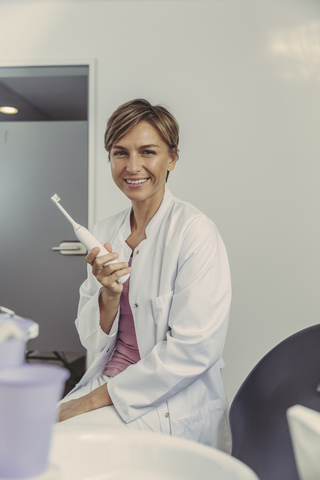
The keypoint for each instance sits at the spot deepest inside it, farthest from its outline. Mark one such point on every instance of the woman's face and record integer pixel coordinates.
(140, 161)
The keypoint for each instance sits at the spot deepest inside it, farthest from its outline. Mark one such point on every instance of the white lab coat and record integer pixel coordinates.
(180, 296)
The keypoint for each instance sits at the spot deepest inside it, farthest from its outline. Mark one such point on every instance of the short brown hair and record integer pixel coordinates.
(131, 113)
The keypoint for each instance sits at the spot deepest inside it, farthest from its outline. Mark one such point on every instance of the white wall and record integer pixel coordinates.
(243, 78)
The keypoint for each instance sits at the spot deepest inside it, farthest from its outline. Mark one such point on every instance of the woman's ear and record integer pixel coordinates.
(174, 155)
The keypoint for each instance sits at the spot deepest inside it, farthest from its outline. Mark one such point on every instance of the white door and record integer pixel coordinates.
(37, 160)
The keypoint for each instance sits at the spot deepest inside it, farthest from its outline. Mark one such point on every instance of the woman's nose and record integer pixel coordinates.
(134, 164)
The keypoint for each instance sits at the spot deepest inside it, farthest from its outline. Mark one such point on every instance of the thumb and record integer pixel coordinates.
(108, 247)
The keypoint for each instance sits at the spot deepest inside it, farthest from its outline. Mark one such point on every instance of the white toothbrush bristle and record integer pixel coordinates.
(55, 198)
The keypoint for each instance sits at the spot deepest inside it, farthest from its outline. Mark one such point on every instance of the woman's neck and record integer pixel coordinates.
(140, 218)
(143, 212)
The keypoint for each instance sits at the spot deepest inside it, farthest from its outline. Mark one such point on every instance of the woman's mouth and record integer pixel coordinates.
(137, 182)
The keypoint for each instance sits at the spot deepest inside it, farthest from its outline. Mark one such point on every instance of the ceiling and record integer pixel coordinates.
(44, 93)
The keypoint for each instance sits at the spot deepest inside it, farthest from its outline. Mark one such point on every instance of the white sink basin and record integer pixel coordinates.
(93, 453)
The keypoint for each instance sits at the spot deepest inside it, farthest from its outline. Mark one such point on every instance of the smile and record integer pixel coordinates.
(137, 182)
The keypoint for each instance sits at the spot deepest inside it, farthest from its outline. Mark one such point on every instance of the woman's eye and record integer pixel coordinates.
(119, 153)
(149, 152)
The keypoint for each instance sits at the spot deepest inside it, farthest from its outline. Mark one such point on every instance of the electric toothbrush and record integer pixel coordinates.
(85, 237)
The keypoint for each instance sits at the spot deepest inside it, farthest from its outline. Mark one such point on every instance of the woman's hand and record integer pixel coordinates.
(109, 274)
(96, 399)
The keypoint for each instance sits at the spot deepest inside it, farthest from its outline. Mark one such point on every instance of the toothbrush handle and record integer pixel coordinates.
(88, 240)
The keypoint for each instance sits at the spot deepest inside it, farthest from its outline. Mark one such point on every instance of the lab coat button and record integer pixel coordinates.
(136, 305)
(167, 415)
(137, 252)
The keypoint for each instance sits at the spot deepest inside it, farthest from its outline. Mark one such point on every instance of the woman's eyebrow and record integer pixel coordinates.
(150, 146)
(119, 146)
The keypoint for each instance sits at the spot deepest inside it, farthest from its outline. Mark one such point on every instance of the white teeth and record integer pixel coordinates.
(135, 182)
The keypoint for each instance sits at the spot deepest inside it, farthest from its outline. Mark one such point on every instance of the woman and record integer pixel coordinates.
(160, 335)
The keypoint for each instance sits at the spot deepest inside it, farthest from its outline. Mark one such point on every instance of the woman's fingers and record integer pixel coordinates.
(111, 273)
(91, 256)
(106, 269)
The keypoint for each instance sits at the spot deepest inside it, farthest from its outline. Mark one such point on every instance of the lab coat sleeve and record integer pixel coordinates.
(92, 337)
(197, 325)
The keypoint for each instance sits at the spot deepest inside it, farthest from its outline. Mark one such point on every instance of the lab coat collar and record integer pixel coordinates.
(154, 222)
(158, 216)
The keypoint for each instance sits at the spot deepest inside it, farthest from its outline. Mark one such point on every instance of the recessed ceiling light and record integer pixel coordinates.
(8, 110)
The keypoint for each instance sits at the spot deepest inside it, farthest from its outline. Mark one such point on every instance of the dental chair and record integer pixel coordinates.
(288, 375)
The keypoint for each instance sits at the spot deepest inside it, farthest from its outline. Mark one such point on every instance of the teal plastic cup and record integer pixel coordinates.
(28, 412)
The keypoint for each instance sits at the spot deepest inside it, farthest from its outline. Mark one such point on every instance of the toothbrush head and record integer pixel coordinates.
(55, 198)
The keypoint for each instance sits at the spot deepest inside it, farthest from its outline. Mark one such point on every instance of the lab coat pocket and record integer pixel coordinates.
(160, 309)
(201, 426)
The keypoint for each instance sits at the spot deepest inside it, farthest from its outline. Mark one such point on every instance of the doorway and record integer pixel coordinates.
(44, 149)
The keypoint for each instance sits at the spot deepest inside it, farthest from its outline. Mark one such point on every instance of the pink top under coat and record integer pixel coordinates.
(126, 352)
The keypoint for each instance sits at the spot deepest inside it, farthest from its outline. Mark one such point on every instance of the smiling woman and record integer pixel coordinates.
(131, 113)
(159, 336)
(137, 170)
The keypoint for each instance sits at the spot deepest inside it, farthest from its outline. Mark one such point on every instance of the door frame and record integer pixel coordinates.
(91, 63)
